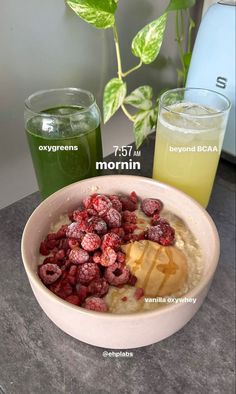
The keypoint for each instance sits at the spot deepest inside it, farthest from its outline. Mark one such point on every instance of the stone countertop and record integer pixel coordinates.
(36, 357)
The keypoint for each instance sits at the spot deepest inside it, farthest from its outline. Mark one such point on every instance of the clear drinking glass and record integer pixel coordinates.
(189, 137)
(63, 132)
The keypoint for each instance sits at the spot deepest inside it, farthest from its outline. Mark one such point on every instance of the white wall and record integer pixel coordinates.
(43, 44)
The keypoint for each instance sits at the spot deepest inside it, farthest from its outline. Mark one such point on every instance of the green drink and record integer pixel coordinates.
(65, 140)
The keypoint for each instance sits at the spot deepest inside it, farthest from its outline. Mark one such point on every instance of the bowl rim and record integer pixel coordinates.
(204, 281)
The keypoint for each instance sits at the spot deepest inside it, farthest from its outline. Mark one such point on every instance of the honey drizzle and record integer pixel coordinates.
(171, 262)
(153, 266)
(138, 262)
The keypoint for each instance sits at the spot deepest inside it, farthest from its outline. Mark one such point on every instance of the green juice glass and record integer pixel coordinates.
(64, 137)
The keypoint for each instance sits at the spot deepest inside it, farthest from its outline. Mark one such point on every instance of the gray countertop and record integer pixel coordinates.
(36, 357)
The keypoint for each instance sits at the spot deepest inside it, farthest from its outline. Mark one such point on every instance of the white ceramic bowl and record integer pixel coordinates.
(106, 329)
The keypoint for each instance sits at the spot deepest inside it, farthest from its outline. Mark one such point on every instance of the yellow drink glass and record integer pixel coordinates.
(189, 137)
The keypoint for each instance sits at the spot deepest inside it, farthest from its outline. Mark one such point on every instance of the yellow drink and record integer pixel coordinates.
(188, 145)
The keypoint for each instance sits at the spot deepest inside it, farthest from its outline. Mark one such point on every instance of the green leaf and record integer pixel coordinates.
(187, 59)
(147, 43)
(140, 98)
(175, 5)
(143, 125)
(114, 94)
(99, 13)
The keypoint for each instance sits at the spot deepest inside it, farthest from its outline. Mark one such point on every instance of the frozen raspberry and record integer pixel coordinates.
(96, 224)
(96, 304)
(134, 237)
(98, 287)
(92, 212)
(49, 273)
(51, 236)
(127, 204)
(80, 215)
(62, 288)
(72, 275)
(117, 274)
(116, 204)
(133, 197)
(151, 206)
(111, 240)
(91, 242)
(73, 299)
(81, 291)
(124, 298)
(74, 231)
(101, 204)
(120, 257)
(87, 272)
(64, 244)
(43, 249)
(119, 231)
(49, 260)
(129, 228)
(113, 218)
(88, 201)
(59, 255)
(61, 233)
(108, 257)
(155, 219)
(97, 257)
(129, 217)
(138, 293)
(132, 280)
(78, 256)
(162, 233)
(73, 243)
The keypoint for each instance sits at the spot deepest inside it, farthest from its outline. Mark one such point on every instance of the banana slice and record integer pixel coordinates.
(160, 270)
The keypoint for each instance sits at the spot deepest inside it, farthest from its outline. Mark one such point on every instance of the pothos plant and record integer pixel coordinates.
(145, 46)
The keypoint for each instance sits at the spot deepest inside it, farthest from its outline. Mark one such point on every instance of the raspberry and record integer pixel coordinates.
(124, 298)
(59, 255)
(81, 291)
(151, 206)
(51, 236)
(91, 242)
(96, 224)
(108, 257)
(73, 299)
(116, 204)
(49, 260)
(43, 249)
(120, 257)
(119, 231)
(127, 204)
(49, 273)
(129, 228)
(129, 217)
(88, 201)
(73, 243)
(72, 275)
(134, 237)
(132, 280)
(111, 240)
(98, 287)
(117, 274)
(92, 212)
(78, 256)
(64, 244)
(61, 288)
(87, 272)
(80, 215)
(138, 293)
(162, 233)
(74, 231)
(101, 204)
(61, 233)
(133, 197)
(97, 257)
(155, 219)
(96, 304)
(113, 218)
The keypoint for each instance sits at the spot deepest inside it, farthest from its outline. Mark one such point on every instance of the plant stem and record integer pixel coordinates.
(178, 39)
(129, 116)
(117, 46)
(124, 74)
(191, 26)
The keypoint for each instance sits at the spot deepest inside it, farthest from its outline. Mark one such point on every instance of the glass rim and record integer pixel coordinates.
(29, 106)
(217, 113)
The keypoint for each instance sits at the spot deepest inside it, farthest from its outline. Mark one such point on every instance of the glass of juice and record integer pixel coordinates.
(63, 132)
(189, 136)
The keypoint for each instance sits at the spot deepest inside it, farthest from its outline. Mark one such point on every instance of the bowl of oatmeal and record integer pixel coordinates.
(120, 261)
